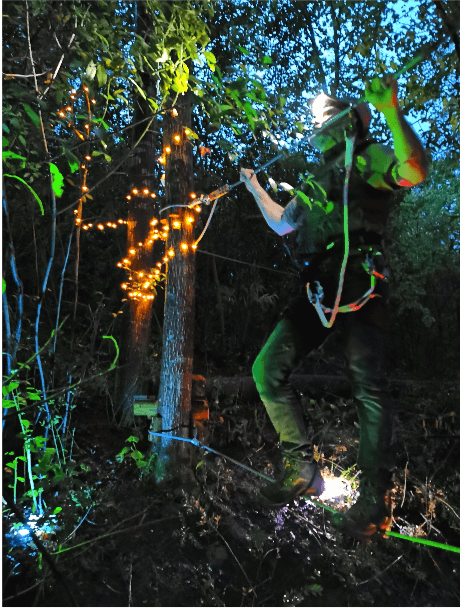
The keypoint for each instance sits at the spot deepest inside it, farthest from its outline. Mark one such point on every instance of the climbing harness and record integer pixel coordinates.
(195, 442)
(317, 296)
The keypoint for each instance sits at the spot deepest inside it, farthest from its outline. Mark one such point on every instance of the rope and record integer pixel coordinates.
(291, 274)
(195, 442)
(315, 299)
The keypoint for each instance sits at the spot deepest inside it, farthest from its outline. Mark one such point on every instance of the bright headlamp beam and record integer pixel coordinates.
(318, 108)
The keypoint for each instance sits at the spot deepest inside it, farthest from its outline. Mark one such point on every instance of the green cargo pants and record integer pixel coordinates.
(364, 336)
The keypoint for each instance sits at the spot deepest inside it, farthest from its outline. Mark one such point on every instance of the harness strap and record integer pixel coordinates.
(316, 298)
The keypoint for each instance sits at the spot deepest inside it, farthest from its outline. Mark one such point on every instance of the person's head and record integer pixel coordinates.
(324, 108)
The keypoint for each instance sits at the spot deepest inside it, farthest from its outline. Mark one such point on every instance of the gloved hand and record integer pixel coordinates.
(382, 93)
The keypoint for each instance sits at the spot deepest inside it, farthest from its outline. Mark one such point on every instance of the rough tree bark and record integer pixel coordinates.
(144, 180)
(174, 399)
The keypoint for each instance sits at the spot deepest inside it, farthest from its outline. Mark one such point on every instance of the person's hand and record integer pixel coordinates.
(248, 177)
(382, 93)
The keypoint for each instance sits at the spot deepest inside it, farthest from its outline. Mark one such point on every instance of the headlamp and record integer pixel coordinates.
(333, 117)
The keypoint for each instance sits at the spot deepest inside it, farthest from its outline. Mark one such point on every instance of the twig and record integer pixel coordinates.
(251, 586)
(379, 573)
(130, 594)
(23, 76)
(132, 529)
(405, 483)
(447, 505)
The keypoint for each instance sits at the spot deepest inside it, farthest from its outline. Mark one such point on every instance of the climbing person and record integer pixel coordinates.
(317, 214)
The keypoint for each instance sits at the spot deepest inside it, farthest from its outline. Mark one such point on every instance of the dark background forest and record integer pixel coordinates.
(90, 91)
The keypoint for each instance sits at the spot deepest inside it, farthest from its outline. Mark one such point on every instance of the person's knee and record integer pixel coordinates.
(266, 378)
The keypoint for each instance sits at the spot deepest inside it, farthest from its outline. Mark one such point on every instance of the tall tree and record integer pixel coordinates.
(139, 247)
(174, 399)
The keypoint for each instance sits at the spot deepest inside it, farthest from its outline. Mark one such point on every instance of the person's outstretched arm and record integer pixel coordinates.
(271, 211)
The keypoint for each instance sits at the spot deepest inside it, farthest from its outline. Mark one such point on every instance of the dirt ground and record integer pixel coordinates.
(206, 540)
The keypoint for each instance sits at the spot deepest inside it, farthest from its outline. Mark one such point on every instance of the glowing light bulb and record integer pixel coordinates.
(132, 251)
(176, 139)
(166, 227)
(120, 221)
(145, 190)
(176, 224)
(120, 265)
(154, 222)
(86, 126)
(90, 225)
(85, 88)
(100, 226)
(135, 191)
(168, 150)
(85, 227)
(153, 195)
(93, 101)
(140, 274)
(69, 108)
(124, 286)
(184, 246)
(146, 284)
(198, 208)
(140, 244)
(187, 131)
(174, 112)
(85, 188)
(163, 177)
(162, 160)
(194, 246)
(165, 259)
(88, 157)
(126, 261)
(171, 252)
(159, 264)
(129, 197)
(192, 195)
(62, 113)
(189, 219)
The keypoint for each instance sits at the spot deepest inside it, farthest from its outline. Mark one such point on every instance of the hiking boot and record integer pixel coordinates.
(301, 478)
(371, 513)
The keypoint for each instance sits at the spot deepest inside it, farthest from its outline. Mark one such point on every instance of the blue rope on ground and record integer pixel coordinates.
(198, 444)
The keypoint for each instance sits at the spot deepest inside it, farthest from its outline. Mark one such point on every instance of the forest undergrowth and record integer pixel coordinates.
(209, 542)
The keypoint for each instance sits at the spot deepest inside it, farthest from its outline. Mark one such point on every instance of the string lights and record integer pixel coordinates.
(140, 284)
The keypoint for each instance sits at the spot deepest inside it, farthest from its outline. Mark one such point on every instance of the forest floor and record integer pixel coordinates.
(207, 541)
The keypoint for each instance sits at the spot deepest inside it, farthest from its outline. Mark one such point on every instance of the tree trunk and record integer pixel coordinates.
(144, 182)
(174, 399)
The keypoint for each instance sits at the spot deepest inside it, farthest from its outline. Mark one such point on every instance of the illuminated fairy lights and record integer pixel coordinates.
(140, 284)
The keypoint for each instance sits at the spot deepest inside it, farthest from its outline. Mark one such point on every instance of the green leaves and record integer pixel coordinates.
(91, 70)
(30, 188)
(32, 115)
(57, 180)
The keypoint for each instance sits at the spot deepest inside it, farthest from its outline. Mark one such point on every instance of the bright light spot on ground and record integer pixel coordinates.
(335, 487)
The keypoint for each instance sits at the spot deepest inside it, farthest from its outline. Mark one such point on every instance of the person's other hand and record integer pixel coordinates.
(382, 93)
